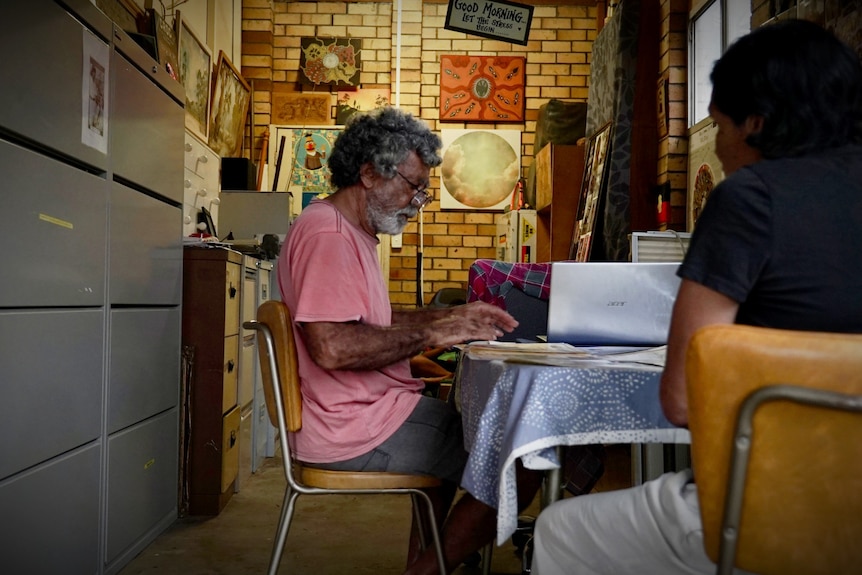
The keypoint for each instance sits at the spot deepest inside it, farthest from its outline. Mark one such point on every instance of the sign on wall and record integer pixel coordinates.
(494, 19)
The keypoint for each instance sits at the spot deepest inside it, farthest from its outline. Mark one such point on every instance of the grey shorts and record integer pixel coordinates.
(429, 442)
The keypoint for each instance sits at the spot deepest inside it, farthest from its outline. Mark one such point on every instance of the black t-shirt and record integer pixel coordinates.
(784, 239)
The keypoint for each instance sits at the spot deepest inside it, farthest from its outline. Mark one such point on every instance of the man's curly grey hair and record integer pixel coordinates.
(384, 137)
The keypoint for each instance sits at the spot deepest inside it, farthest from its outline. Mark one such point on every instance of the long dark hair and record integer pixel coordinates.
(803, 81)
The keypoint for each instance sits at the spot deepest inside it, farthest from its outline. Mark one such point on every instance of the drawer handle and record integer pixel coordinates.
(202, 192)
(188, 183)
(188, 147)
(232, 292)
(203, 159)
(232, 437)
(230, 365)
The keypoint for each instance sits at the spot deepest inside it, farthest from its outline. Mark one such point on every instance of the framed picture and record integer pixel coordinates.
(361, 100)
(592, 188)
(195, 61)
(301, 108)
(330, 61)
(166, 42)
(480, 169)
(482, 88)
(704, 168)
(298, 161)
(230, 100)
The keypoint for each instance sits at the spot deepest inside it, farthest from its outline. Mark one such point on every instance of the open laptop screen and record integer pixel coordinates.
(611, 303)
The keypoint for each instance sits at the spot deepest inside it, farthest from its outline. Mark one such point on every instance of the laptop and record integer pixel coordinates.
(611, 303)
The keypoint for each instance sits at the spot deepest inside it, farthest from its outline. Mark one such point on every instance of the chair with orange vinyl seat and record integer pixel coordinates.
(277, 352)
(776, 426)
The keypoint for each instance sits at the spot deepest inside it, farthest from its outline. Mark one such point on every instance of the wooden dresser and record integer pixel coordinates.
(559, 171)
(212, 280)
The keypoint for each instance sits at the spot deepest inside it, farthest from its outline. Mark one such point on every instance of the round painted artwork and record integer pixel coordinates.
(480, 169)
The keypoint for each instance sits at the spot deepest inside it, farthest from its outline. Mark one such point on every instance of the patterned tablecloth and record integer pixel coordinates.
(513, 410)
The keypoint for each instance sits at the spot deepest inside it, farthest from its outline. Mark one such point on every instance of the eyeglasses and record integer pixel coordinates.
(422, 198)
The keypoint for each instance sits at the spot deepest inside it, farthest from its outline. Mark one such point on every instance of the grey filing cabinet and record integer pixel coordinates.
(90, 326)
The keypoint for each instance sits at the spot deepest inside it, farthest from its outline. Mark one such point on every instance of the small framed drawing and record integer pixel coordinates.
(592, 188)
(196, 63)
(230, 101)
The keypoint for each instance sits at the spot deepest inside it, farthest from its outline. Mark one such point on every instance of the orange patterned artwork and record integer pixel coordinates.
(481, 89)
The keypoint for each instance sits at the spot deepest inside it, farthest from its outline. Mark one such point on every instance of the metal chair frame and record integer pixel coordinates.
(325, 482)
(741, 452)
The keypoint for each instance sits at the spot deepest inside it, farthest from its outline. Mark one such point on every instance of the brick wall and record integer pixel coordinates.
(558, 60)
(673, 146)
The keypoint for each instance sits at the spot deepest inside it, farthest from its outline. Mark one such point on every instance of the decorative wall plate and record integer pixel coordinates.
(330, 61)
(481, 88)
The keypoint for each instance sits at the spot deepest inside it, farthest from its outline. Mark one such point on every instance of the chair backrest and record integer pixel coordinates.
(276, 317)
(802, 494)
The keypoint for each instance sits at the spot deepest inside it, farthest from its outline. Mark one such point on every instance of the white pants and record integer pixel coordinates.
(651, 529)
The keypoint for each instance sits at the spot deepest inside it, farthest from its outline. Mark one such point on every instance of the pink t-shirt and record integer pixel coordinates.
(328, 270)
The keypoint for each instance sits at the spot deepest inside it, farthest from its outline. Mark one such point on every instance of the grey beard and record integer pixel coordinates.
(390, 223)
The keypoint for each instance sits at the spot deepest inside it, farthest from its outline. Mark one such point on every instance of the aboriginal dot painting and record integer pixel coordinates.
(481, 88)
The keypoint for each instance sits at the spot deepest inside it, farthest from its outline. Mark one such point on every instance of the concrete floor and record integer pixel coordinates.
(330, 535)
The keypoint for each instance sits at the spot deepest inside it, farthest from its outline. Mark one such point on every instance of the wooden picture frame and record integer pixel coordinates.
(596, 161)
(195, 71)
(229, 108)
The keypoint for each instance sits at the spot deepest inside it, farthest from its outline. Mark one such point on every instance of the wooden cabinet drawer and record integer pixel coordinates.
(230, 448)
(232, 299)
(231, 363)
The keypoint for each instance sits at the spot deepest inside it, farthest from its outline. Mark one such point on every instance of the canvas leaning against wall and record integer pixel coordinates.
(299, 161)
(480, 168)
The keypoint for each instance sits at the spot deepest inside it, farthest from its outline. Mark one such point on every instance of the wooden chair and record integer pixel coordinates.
(277, 352)
(776, 426)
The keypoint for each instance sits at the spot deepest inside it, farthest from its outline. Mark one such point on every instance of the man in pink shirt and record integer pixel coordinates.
(362, 410)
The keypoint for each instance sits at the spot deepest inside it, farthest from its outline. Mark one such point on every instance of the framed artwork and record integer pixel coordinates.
(592, 186)
(482, 88)
(330, 61)
(230, 101)
(298, 161)
(301, 108)
(361, 100)
(166, 42)
(704, 168)
(195, 61)
(480, 169)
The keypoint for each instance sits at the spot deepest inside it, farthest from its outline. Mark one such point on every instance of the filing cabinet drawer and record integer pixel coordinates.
(231, 364)
(142, 476)
(43, 90)
(58, 224)
(145, 364)
(232, 299)
(51, 516)
(52, 381)
(230, 448)
(146, 249)
(133, 141)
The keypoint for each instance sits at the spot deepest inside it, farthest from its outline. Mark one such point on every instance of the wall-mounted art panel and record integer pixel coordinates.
(481, 88)
(480, 168)
(330, 61)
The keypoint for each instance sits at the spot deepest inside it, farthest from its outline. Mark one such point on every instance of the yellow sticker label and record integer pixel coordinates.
(149, 463)
(56, 221)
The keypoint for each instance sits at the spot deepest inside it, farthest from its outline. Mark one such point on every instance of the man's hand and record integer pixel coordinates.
(359, 346)
(470, 322)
